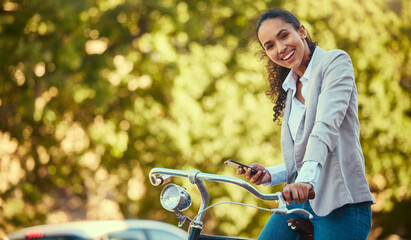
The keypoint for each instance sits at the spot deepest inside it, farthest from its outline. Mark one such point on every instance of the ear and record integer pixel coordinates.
(302, 32)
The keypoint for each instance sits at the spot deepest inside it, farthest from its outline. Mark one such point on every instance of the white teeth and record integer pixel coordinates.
(288, 56)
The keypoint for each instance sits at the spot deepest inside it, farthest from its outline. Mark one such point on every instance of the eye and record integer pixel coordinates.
(269, 46)
(284, 36)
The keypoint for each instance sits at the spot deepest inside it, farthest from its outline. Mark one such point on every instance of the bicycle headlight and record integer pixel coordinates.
(175, 198)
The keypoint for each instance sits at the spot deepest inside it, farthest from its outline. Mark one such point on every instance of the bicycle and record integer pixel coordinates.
(176, 199)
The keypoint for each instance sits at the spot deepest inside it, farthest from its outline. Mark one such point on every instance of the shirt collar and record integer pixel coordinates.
(291, 79)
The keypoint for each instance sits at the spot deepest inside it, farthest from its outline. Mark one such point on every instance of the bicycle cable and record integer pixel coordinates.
(237, 203)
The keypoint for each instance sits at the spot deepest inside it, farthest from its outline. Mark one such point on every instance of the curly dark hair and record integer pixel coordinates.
(276, 74)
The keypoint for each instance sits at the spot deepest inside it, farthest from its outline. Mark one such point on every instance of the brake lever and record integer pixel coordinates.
(301, 211)
(296, 210)
(160, 179)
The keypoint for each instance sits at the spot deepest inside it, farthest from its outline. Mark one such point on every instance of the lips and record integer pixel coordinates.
(286, 57)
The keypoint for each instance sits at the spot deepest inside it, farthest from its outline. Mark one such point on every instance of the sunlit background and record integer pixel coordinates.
(96, 93)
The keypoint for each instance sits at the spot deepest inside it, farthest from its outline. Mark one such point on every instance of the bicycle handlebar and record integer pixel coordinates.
(195, 175)
(160, 176)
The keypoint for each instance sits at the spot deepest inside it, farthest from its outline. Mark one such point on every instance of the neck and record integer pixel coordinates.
(300, 71)
(306, 60)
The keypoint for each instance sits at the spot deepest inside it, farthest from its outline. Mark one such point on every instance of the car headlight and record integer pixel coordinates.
(175, 198)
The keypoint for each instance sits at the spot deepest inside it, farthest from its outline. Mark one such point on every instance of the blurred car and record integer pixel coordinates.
(101, 230)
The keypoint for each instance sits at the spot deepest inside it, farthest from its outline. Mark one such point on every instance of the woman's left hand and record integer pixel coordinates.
(297, 192)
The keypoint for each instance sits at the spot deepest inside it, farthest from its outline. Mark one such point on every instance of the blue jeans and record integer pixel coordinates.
(351, 221)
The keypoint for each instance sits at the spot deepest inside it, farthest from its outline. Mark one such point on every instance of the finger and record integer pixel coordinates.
(240, 170)
(294, 194)
(287, 195)
(300, 191)
(307, 190)
(260, 178)
(248, 174)
(255, 178)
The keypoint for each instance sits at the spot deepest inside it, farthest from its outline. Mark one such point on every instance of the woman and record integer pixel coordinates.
(314, 92)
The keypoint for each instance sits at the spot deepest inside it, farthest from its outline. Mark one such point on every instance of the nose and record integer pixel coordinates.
(281, 47)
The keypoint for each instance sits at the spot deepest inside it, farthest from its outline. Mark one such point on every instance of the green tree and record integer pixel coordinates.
(95, 93)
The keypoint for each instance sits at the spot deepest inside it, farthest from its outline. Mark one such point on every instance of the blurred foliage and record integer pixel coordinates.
(96, 93)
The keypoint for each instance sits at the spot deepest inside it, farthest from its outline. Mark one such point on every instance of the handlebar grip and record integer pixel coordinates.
(160, 180)
(311, 194)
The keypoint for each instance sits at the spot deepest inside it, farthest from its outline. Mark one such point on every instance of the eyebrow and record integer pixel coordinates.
(278, 34)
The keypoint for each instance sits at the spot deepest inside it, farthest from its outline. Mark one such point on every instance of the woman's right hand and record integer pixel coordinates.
(261, 177)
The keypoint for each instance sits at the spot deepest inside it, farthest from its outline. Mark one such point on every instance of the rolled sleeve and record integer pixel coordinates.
(310, 173)
(278, 174)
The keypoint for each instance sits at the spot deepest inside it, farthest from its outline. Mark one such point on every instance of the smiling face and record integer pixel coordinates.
(284, 45)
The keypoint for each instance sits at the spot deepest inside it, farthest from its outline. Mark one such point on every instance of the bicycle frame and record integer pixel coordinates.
(159, 176)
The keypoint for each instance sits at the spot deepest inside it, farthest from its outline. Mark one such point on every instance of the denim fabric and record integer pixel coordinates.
(351, 221)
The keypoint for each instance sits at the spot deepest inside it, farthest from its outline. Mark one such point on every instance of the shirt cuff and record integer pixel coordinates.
(278, 174)
(309, 173)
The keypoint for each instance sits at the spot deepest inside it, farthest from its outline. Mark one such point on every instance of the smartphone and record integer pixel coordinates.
(235, 164)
